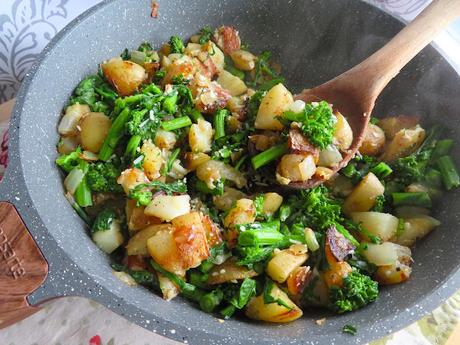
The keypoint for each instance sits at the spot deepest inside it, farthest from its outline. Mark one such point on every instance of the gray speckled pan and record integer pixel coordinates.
(314, 41)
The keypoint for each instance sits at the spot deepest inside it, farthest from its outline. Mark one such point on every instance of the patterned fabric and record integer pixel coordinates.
(26, 26)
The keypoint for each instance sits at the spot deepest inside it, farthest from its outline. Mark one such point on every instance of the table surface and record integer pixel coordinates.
(26, 26)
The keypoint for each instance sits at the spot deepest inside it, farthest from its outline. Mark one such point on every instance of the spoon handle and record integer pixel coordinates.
(382, 66)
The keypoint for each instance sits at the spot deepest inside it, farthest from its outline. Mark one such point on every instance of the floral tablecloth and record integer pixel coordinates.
(26, 26)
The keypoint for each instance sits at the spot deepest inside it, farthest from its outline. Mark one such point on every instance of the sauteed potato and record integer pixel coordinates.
(177, 157)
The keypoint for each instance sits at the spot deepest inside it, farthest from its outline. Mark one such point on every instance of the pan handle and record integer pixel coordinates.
(22, 267)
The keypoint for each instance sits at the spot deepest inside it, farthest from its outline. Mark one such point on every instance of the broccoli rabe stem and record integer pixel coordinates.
(420, 199)
(382, 170)
(170, 103)
(268, 156)
(116, 132)
(260, 238)
(195, 115)
(177, 123)
(132, 146)
(449, 173)
(273, 225)
(83, 195)
(219, 123)
(442, 148)
(211, 300)
(433, 178)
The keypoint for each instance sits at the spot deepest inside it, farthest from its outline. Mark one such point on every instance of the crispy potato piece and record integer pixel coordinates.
(363, 196)
(272, 202)
(343, 134)
(383, 225)
(93, 130)
(392, 125)
(276, 101)
(190, 238)
(231, 83)
(374, 141)
(130, 178)
(168, 207)
(136, 218)
(225, 201)
(137, 245)
(416, 228)
(244, 212)
(193, 160)
(163, 249)
(227, 38)
(167, 287)
(200, 136)
(126, 76)
(283, 263)
(212, 230)
(273, 312)
(229, 271)
(153, 160)
(337, 270)
(243, 60)
(405, 142)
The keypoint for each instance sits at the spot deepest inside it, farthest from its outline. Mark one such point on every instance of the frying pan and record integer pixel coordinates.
(46, 253)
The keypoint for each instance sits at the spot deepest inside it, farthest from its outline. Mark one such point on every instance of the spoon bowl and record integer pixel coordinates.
(355, 91)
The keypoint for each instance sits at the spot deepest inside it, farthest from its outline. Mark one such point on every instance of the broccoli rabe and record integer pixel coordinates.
(102, 177)
(358, 290)
(104, 220)
(205, 35)
(238, 296)
(176, 44)
(317, 123)
(95, 92)
(69, 161)
(143, 195)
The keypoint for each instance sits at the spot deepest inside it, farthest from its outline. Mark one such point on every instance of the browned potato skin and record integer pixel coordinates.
(392, 274)
(190, 238)
(125, 76)
(93, 130)
(405, 142)
(337, 269)
(297, 280)
(256, 309)
(374, 141)
(230, 271)
(392, 125)
(136, 218)
(137, 245)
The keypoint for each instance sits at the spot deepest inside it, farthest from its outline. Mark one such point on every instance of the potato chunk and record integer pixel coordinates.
(275, 102)
(272, 202)
(363, 196)
(153, 160)
(374, 141)
(284, 262)
(212, 171)
(93, 130)
(244, 212)
(137, 245)
(392, 125)
(256, 309)
(231, 83)
(69, 122)
(168, 207)
(130, 178)
(383, 225)
(126, 76)
(190, 238)
(405, 142)
(200, 136)
(343, 134)
(416, 228)
(297, 167)
(136, 218)
(229, 271)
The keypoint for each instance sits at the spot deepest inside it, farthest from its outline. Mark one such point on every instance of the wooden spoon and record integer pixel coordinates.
(354, 92)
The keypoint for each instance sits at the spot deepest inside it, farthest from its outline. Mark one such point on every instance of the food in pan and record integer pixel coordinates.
(180, 160)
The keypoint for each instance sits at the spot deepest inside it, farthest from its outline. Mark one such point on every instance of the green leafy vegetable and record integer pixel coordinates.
(176, 44)
(69, 161)
(102, 177)
(358, 290)
(317, 123)
(104, 220)
(350, 329)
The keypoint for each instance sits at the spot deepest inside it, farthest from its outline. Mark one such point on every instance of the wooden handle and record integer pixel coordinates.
(22, 267)
(382, 66)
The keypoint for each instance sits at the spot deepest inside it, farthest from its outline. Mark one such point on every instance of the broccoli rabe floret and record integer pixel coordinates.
(317, 123)
(102, 177)
(176, 44)
(95, 92)
(69, 161)
(358, 290)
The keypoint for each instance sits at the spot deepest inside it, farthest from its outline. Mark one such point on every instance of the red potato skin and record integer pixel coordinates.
(297, 143)
(227, 39)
